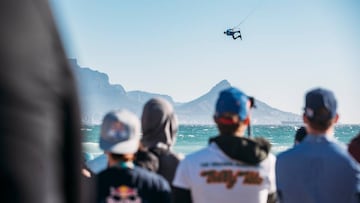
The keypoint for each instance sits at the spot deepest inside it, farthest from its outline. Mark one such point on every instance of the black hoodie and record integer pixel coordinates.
(248, 150)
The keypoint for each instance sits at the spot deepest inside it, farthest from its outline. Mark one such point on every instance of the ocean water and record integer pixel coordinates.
(194, 137)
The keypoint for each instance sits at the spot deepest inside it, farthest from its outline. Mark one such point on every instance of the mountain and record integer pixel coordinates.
(143, 97)
(201, 110)
(98, 96)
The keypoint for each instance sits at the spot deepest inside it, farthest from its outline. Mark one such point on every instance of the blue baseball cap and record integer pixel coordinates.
(232, 101)
(320, 104)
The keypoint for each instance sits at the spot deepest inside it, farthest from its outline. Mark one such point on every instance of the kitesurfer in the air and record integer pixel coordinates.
(234, 33)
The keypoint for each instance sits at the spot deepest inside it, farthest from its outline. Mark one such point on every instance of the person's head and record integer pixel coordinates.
(320, 112)
(232, 114)
(120, 135)
(300, 134)
(159, 123)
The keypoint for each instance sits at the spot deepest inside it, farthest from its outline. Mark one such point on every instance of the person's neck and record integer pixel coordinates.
(240, 131)
(113, 162)
(314, 132)
(121, 163)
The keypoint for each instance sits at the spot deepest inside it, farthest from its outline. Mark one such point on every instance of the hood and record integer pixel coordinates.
(159, 124)
(248, 150)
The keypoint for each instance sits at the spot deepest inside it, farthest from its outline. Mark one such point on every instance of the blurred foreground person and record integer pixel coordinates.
(232, 168)
(319, 169)
(40, 152)
(159, 127)
(123, 181)
(354, 147)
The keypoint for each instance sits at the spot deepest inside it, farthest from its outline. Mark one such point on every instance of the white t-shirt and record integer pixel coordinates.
(213, 177)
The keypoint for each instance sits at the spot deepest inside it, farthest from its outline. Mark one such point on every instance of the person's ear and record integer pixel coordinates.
(305, 119)
(247, 120)
(336, 118)
(215, 119)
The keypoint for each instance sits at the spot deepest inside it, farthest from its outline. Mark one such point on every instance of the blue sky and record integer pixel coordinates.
(178, 47)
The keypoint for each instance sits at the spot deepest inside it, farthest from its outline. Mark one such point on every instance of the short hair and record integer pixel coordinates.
(227, 123)
(318, 122)
(116, 156)
(227, 129)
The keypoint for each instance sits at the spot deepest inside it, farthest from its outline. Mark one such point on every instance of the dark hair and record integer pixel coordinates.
(300, 134)
(354, 147)
(122, 157)
(320, 125)
(227, 129)
(230, 126)
(321, 120)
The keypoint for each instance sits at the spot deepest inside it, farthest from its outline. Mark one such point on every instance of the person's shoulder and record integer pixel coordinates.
(109, 171)
(147, 160)
(151, 179)
(97, 164)
(288, 159)
(338, 149)
(341, 157)
(339, 145)
(289, 153)
(142, 172)
(166, 158)
(199, 154)
(108, 175)
(165, 152)
(177, 156)
(269, 162)
(270, 158)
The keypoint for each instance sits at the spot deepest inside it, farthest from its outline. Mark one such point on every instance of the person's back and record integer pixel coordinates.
(168, 162)
(160, 126)
(213, 176)
(319, 169)
(122, 181)
(232, 168)
(132, 183)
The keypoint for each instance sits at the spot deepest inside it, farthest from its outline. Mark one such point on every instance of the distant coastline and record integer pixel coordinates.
(98, 96)
(292, 123)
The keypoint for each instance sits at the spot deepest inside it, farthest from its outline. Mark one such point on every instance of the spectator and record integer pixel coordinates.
(354, 147)
(232, 168)
(159, 127)
(319, 169)
(122, 181)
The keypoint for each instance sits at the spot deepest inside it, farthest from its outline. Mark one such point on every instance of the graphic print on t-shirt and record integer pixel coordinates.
(229, 177)
(123, 194)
